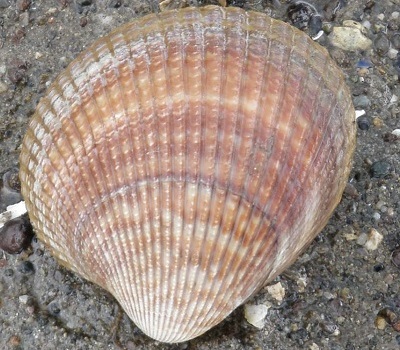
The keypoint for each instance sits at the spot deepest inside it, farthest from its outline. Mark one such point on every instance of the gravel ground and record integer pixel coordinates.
(343, 292)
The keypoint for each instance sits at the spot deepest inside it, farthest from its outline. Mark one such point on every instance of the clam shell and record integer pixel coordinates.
(186, 159)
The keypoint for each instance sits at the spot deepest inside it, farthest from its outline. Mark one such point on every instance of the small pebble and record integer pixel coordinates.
(390, 211)
(3, 87)
(30, 309)
(381, 44)
(361, 101)
(363, 123)
(10, 189)
(331, 328)
(392, 53)
(115, 3)
(315, 27)
(4, 4)
(23, 5)
(376, 216)
(26, 268)
(390, 137)
(396, 41)
(388, 314)
(9, 272)
(380, 323)
(23, 299)
(364, 63)
(54, 309)
(379, 267)
(351, 191)
(396, 257)
(378, 122)
(14, 341)
(379, 204)
(349, 39)
(366, 24)
(395, 15)
(362, 239)
(84, 2)
(314, 346)
(380, 169)
(396, 326)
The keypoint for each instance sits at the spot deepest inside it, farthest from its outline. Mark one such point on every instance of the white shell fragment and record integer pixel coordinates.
(12, 212)
(255, 314)
(373, 240)
(359, 113)
(277, 291)
(396, 132)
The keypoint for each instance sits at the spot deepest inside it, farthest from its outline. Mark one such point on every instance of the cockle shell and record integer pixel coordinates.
(186, 159)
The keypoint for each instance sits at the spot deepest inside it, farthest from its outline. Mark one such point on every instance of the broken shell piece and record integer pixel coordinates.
(373, 240)
(255, 314)
(277, 291)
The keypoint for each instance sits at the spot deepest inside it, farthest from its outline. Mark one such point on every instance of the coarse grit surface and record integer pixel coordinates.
(342, 293)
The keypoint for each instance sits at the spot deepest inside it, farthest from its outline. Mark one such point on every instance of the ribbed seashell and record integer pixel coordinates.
(186, 159)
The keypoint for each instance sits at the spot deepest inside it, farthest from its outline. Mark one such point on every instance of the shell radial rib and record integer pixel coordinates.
(186, 159)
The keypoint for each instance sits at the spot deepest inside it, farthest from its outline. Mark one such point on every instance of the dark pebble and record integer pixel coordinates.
(115, 3)
(10, 189)
(11, 180)
(363, 123)
(389, 137)
(17, 71)
(396, 41)
(380, 169)
(364, 63)
(23, 5)
(16, 235)
(329, 327)
(83, 21)
(381, 44)
(54, 309)
(42, 318)
(396, 326)
(351, 191)
(398, 339)
(237, 3)
(300, 336)
(300, 15)
(315, 25)
(389, 315)
(379, 267)
(396, 63)
(26, 268)
(361, 101)
(84, 2)
(39, 252)
(4, 4)
(396, 257)
(9, 272)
